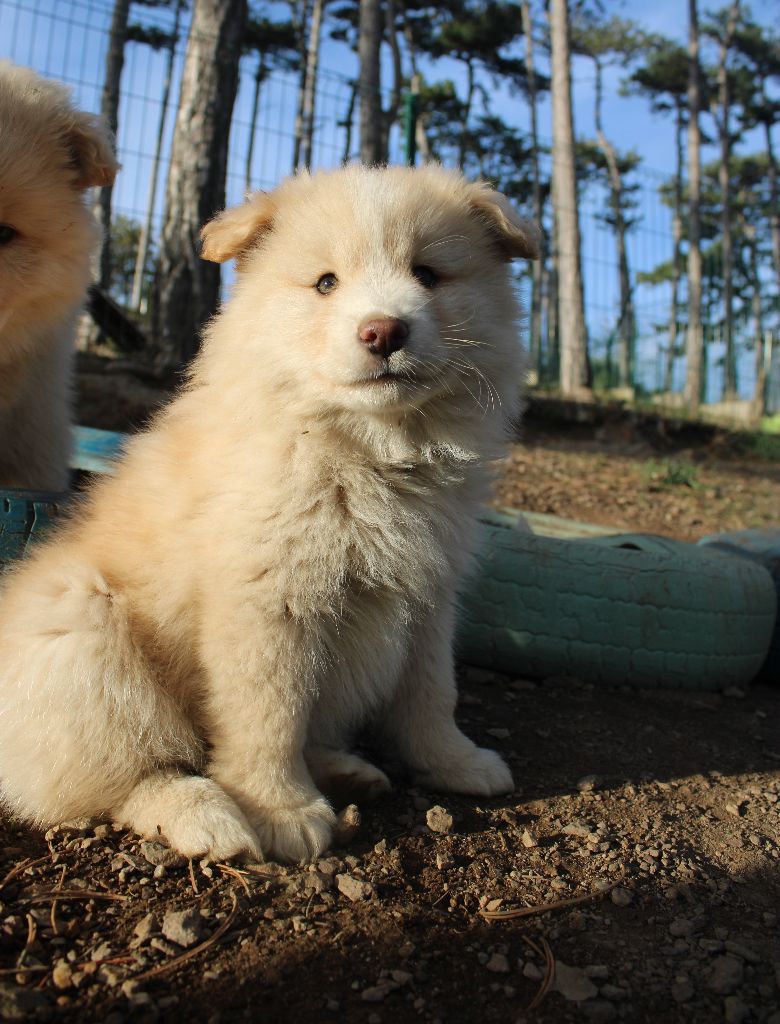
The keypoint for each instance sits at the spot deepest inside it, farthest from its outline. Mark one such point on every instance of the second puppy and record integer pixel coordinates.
(50, 154)
(275, 563)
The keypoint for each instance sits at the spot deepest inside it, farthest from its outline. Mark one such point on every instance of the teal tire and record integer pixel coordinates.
(626, 610)
(24, 518)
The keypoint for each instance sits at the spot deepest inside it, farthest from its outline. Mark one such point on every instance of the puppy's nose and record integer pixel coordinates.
(383, 334)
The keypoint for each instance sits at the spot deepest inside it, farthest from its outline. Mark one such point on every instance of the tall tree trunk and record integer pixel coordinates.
(300, 15)
(774, 200)
(694, 349)
(626, 319)
(676, 253)
(464, 121)
(571, 316)
(369, 44)
(536, 191)
(390, 115)
(759, 393)
(420, 135)
(109, 108)
(310, 92)
(346, 123)
(187, 292)
(730, 376)
(146, 231)
(250, 148)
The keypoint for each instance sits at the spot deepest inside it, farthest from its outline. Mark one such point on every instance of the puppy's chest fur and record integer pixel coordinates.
(362, 539)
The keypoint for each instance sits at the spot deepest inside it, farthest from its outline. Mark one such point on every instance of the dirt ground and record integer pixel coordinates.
(641, 845)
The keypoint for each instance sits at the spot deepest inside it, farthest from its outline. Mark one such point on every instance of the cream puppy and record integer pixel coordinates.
(50, 154)
(275, 563)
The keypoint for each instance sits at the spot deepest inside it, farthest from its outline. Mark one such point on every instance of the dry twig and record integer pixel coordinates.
(193, 883)
(74, 894)
(22, 866)
(226, 869)
(544, 908)
(543, 950)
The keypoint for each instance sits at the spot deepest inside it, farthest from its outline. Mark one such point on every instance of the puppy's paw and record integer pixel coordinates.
(346, 775)
(479, 772)
(297, 834)
(214, 830)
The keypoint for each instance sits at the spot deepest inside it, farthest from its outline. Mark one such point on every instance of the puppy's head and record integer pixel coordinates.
(378, 289)
(49, 154)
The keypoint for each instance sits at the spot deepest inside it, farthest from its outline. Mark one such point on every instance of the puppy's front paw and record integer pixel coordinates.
(479, 772)
(296, 834)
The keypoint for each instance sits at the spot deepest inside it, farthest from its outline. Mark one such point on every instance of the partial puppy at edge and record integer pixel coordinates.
(50, 154)
(274, 566)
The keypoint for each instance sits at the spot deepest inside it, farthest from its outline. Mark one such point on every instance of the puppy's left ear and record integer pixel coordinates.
(233, 231)
(93, 152)
(517, 238)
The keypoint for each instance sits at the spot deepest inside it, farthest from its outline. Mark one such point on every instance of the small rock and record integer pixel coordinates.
(598, 972)
(185, 927)
(439, 819)
(531, 971)
(742, 951)
(734, 1010)
(734, 692)
(144, 930)
(682, 989)
(621, 897)
(499, 734)
(163, 945)
(726, 975)
(109, 976)
(374, 994)
(347, 825)
(573, 983)
(20, 1003)
(578, 829)
(681, 928)
(498, 964)
(588, 783)
(353, 888)
(528, 839)
(317, 881)
(492, 905)
(156, 854)
(62, 975)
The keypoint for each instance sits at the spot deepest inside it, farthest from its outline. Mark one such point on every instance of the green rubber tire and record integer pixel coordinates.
(631, 610)
(24, 518)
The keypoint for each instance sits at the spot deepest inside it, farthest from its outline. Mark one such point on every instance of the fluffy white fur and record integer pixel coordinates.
(50, 154)
(274, 565)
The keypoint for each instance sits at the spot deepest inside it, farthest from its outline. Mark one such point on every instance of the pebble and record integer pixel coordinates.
(184, 927)
(621, 897)
(144, 930)
(20, 1003)
(681, 928)
(499, 734)
(726, 975)
(157, 854)
(439, 819)
(588, 783)
(62, 975)
(498, 964)
(682, 990)
(348, 824)
(528, 839)
(742, 951)
(573, 983)
(734, 1010)
(353, 888)
(531, 971)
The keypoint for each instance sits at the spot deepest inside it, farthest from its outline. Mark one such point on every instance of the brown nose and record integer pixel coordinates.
(383, 334)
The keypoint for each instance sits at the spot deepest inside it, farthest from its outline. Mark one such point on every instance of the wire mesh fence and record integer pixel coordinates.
(68, 40)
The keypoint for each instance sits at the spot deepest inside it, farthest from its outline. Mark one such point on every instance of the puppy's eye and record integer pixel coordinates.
(7, 234)
(425, 276)
(327, 283)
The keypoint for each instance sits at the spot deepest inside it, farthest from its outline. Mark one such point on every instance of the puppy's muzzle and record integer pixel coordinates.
(383, 335)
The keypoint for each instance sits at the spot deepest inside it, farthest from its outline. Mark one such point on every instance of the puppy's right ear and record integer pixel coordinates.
(233, 231)
(92, 148)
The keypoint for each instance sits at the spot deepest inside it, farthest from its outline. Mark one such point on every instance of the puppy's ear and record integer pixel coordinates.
(517, 238)
(231, 232)
(93, 152)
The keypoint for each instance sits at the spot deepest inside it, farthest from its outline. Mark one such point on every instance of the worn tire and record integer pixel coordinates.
(24, 517)
(621, 610)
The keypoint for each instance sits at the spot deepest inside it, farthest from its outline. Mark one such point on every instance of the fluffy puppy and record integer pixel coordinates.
(49, 154)
(274, 565)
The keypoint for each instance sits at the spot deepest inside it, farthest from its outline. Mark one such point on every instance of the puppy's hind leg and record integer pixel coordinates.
(193, 813)
(340, 773)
